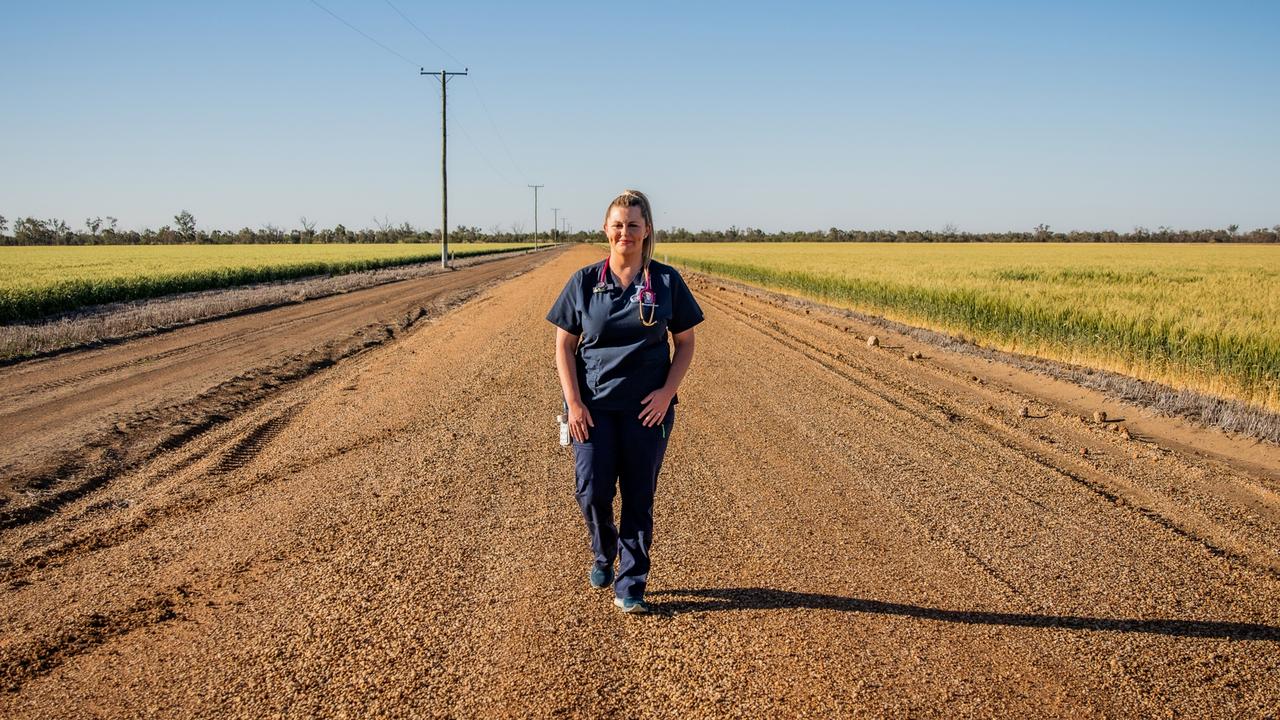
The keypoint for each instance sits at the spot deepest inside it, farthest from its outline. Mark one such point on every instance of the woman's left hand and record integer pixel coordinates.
(655, 406)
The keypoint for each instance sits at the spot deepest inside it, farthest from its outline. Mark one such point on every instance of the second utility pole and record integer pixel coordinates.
(444, 173)
(535, 214)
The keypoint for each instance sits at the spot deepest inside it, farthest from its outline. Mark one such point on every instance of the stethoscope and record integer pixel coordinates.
(644, 295)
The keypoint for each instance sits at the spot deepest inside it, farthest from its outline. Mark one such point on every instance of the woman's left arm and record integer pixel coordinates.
(657, 402)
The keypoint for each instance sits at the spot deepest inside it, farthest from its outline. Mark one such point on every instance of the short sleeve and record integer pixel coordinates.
(565, 313)
(685, 312)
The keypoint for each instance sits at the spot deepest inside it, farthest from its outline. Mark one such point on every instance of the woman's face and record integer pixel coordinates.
(626, 229)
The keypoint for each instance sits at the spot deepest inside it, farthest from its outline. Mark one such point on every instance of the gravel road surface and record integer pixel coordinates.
(841, 531)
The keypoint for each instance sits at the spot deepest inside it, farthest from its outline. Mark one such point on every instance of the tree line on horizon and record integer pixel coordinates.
(183, 231)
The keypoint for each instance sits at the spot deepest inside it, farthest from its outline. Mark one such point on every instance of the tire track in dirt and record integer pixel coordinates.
(27, 661)
(38, 398)
(225, 456)
(247, 447)
(839, 532)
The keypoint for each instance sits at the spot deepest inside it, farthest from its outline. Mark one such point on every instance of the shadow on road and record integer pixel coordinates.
(678, 601)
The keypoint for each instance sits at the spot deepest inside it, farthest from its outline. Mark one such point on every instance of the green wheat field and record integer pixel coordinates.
(39, 281)
(1205, 317)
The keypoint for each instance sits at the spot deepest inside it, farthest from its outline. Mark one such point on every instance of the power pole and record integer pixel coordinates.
(555, 213)
(444, 172)
(535, 214)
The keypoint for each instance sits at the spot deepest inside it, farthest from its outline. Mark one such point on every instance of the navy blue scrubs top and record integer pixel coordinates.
(619, 359)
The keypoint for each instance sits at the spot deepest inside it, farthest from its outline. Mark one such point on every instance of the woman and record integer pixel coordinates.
(619, 380)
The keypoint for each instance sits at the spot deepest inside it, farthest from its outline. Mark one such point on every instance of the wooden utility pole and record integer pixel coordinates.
(535, 214)
(444, 172)
(555, 214)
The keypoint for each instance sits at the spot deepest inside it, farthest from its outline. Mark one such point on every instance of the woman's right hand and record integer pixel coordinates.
(579, 421)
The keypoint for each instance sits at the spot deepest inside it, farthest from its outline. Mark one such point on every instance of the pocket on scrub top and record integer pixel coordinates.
(592, 372)
(657, 311)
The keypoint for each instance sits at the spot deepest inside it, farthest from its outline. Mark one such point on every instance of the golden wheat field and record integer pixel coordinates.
(1205, 317)
(38, 280)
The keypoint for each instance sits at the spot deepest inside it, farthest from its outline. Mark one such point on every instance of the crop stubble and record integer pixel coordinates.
(840, 531)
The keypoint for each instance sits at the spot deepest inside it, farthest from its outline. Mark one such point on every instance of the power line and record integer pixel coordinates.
(475, 146)
(484, 106)
(423, 34)
(483, 155)
(364, 34)
(474, 86)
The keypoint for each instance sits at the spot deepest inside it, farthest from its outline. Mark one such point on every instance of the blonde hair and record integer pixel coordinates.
(635, 198)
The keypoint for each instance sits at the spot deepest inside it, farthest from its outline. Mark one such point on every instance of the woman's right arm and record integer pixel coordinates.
(567, 368)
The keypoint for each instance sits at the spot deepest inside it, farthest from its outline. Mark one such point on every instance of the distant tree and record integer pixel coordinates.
(186, 223)
(308, 226)
(950, 230)
(111, 223)
(93, 225)
(31, 231)
(164, 236)
(3, 224)
(1042, 231)
(62, 232)
(1232, 228)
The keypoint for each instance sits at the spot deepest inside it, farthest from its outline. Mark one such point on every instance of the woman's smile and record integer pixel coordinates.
(626, 228)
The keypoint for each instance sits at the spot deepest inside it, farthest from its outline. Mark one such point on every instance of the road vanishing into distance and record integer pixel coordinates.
(358, 506)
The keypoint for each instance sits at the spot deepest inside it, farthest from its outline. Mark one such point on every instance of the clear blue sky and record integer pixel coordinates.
(909, 115)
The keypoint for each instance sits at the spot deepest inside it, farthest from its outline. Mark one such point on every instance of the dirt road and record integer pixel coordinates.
(840, 531)
(72, 421)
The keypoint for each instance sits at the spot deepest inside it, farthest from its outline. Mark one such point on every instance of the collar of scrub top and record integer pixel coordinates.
(644, 294)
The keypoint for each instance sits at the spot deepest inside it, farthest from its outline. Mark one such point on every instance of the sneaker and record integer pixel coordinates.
(601, 577)
(633, 605)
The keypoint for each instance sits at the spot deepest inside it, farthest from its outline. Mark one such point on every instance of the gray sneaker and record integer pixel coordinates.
(633, 605)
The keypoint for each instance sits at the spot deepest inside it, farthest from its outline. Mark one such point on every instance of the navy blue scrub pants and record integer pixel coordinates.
(621, 452)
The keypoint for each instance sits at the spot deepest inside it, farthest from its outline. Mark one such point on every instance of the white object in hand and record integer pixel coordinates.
(564, 429)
